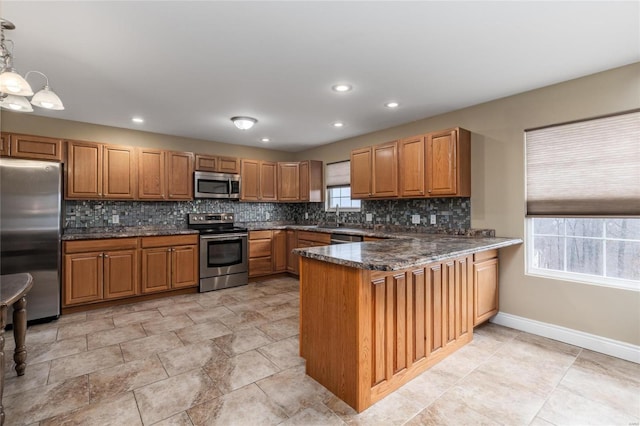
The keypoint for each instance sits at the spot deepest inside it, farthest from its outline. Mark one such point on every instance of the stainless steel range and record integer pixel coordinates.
(223, 251)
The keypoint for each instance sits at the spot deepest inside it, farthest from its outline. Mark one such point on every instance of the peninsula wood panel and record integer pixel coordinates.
(411, 159)
(36, 147)
(404, 322)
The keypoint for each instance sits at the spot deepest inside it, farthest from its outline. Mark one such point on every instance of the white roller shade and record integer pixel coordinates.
(586, 168)
(338, 174)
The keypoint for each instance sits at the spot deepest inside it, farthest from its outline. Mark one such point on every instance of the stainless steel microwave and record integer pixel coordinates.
(216, 185)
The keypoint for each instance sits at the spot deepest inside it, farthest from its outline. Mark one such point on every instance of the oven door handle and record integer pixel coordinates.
(227, 237)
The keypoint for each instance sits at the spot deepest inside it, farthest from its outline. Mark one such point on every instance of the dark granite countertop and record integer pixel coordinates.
(404, 250)
(123, 232)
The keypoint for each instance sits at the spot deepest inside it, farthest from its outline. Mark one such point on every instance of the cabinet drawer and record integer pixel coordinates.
(169, 240)
(259, 235)
(84, 246)
(483, 255)
(318, 237)
(259, 248)
(260, 266)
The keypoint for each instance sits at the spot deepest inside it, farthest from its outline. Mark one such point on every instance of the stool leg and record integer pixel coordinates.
(20, 334)
(3, 322)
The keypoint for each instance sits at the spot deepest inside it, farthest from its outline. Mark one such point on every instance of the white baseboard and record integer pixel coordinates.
(592, 342)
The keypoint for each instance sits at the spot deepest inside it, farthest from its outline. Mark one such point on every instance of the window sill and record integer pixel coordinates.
(585, 279)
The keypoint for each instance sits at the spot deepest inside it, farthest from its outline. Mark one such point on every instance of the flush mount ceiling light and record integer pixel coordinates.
(341, 88)
(338, 124)
(244, 123)
(14, 88)
(392, 104)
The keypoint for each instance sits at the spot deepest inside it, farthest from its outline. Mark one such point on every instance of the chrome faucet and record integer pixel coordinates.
(337, 215)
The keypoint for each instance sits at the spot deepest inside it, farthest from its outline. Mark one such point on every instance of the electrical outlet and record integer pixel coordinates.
(369, 217)
(306, 215)
(415, 219)
(115, 218)
(433, 219)
(268, 215)
(388, 218)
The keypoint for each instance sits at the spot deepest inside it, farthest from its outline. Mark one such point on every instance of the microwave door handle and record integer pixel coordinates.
(229, 188)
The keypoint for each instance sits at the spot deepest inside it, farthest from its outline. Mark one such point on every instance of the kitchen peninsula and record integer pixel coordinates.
(374, 315)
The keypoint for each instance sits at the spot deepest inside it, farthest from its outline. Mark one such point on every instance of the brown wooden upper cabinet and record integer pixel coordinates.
(311, 173)
(165, 175)
(374, 171)
(449, 163)
(211, 163)
(31, 147)
(436, 164)
(411, 162)
(259, 180)
(97, 170)
(289, 181)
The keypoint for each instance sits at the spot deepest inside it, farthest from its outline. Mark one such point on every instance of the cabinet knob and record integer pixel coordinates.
(106, 255)
(168, 249)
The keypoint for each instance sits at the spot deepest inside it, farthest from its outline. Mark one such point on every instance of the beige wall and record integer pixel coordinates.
(498, 193)
(45, 126)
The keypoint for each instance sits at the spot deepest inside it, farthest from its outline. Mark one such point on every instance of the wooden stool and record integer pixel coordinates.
(13, 291)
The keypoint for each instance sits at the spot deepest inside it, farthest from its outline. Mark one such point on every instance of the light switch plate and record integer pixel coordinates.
(115, 218)
(433, 219)
(369, 217)
(415, 219)
(306, 215)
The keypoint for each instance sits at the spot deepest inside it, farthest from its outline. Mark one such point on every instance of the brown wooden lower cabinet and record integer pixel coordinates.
(169, 262)
(97, 270)
(279, 250)
(260, 253)
(107, 269)
(292, 259)
(485, 286)
(365, 333)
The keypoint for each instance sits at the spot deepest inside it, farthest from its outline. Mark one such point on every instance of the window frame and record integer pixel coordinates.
(332, 208)
(577, 277)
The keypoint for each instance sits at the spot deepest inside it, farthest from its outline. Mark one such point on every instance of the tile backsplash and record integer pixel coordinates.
(451, 213)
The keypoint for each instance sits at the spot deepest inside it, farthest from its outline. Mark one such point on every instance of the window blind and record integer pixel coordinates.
(338, 174)
(589, 168)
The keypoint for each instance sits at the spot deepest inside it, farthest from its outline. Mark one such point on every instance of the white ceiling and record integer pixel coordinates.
(187, 67)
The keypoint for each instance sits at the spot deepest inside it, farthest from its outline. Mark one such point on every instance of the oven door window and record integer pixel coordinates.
(217, 187)
(224, 253)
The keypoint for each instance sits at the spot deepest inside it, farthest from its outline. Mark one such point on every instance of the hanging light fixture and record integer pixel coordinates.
(14, 89)
(244, 123)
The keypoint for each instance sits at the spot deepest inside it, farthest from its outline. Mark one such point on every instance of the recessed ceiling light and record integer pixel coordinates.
(392, 105)
(137, 120)
(265, 140)
(338, 124)
(342, 87)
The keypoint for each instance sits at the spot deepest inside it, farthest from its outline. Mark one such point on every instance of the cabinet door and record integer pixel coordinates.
(303, 182)
(229, 165)
(83, 277)
(206, 163)
(268, 181)
(156, 269)
(292, 259)
(279, 251)
(179, 175)
(441, 163)
(120, 273)
(411, 167)
(250, 175)
(36, 147)
(385, 170)
(120, 173)
(185, 266)
(361, 173)
(4, 144)
(485, 290)
(84, 170)
(151, 174)
(289, 181)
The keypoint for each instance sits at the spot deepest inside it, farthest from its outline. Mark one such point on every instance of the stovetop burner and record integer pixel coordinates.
(214, 223)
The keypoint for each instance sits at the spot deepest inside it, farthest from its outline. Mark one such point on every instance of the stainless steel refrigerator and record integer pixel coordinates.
(30, 227)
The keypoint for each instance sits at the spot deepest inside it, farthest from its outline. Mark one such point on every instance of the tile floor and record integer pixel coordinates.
(230, 358)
